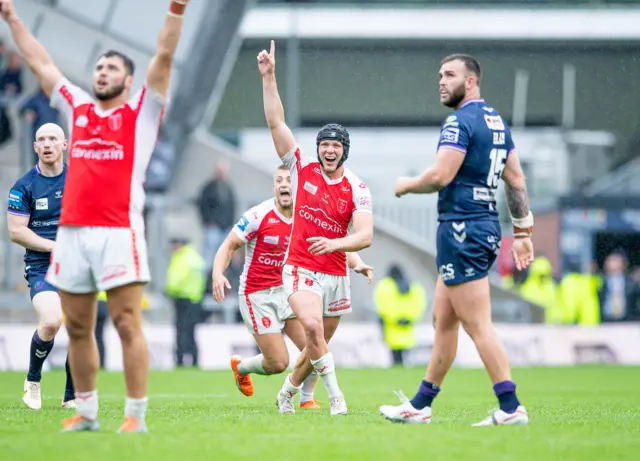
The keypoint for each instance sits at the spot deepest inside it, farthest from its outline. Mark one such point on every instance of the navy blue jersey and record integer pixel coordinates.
(40, 198)
(477, 130)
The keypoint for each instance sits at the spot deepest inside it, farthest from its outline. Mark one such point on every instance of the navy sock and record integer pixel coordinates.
(39, 352)
(506, 393)
(69, 391)
(425, 395)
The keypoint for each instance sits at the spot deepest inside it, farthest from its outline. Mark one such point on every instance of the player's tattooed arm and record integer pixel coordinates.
(517, 200)
(159, 70)
(30, 49)
(515, 187)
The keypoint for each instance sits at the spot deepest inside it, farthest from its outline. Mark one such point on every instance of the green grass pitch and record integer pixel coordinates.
(583, 413)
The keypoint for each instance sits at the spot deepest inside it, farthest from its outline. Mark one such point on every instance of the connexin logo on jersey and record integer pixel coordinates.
(272, 259)
(310, 214)
(97, 149)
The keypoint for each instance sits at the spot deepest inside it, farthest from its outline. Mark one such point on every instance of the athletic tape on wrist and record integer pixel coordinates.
(523, 227)
(177, 7)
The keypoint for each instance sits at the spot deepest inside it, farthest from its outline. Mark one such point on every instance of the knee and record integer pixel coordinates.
(50, 326)
(278, 364)
(313, 329)
(126, 325)
(77, 330)
(475, 328)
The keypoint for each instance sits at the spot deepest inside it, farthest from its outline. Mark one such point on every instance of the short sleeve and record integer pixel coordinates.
(510, 144)
(247, 227)
(455, 134)
(362, 199)
(294, 160)
(66, 97)
(150, 106)
(19, 202)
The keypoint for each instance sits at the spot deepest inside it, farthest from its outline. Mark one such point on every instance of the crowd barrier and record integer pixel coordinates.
(356, 345)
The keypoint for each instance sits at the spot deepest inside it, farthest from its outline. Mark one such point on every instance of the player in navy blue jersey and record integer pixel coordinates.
(32, 216)
(475, 151)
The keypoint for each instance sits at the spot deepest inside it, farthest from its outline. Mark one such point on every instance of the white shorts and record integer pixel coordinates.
(334, 290)
(92, 259)
(265, 311)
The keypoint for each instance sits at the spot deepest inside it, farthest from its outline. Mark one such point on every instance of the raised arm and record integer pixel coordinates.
(20, 233)
(283, 138)
(31, 50)
(160, 67)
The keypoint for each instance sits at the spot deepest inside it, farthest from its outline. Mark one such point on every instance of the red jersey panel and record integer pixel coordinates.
(323, 208)
(266, 232)
(109, 152)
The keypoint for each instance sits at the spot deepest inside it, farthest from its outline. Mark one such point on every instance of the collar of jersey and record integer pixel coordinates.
(473, 101)
(280, 215)
(330, 181)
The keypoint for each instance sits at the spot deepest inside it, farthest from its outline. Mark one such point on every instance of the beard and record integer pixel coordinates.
(110, 93)
(456, 97)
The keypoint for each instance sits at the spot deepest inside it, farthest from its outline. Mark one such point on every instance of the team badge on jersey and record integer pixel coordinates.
(115, 122)
(342, 205)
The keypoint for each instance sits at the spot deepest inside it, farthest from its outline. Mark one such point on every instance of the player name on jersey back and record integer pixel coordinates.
(266, 233)
(108, 156)
(479, 132)
(323, 208)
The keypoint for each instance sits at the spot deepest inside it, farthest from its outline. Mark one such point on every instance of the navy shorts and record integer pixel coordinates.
(466, 250)
(35, 275)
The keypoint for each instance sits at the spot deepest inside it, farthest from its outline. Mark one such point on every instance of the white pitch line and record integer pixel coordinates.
(115, 396)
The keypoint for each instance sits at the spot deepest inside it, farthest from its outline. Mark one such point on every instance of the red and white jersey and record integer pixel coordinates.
(323, 208)
(109, 152)
(266, 232)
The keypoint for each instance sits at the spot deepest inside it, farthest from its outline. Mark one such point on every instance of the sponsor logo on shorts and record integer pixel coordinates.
(308, 282)
(266, 322)
(340, 305)
(112, 272)
(447, 272)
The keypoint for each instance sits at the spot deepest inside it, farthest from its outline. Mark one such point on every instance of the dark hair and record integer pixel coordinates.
(469, 62)
(282, 167)
(128, 63)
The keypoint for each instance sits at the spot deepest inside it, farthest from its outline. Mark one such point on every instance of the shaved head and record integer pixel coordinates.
(50, 129)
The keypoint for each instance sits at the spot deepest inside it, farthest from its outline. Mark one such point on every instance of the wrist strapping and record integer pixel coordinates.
(177, 7)
(523, 227)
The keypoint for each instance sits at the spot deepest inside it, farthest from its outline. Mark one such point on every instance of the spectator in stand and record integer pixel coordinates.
(616, 290)
(10, 88)
(217, 206)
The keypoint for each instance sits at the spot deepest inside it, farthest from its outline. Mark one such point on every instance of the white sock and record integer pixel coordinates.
(288, 386)
(252, 365)
(136, 408)
(308, 387)
(87, 404)
(325, 367)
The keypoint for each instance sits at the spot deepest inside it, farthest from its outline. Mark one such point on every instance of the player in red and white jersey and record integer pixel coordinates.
(265, 230)
(100, 242)
(329, 201)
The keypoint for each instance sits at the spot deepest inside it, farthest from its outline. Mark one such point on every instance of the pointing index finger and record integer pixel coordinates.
(273, 48)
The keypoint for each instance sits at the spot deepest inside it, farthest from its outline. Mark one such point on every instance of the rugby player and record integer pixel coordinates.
(475, 151)
(265, 229)
(101, 242)
(328, 201)
(33, 212)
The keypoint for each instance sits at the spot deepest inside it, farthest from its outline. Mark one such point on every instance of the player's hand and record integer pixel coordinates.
(403, 184)
(6, 9)
(321, 246)
(522, 251)
(219, 285)
(365, 270)
(267, 61)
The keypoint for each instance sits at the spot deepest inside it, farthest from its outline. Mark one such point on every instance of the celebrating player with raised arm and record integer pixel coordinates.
(475, 151)
(266, 230)
(100, 243)
(328, 201)
(33, 212)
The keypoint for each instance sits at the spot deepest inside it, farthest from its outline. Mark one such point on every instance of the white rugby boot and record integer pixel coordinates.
(501, 418)
(32, 396)
(284, 400)
(338, 406)
(405, 413)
